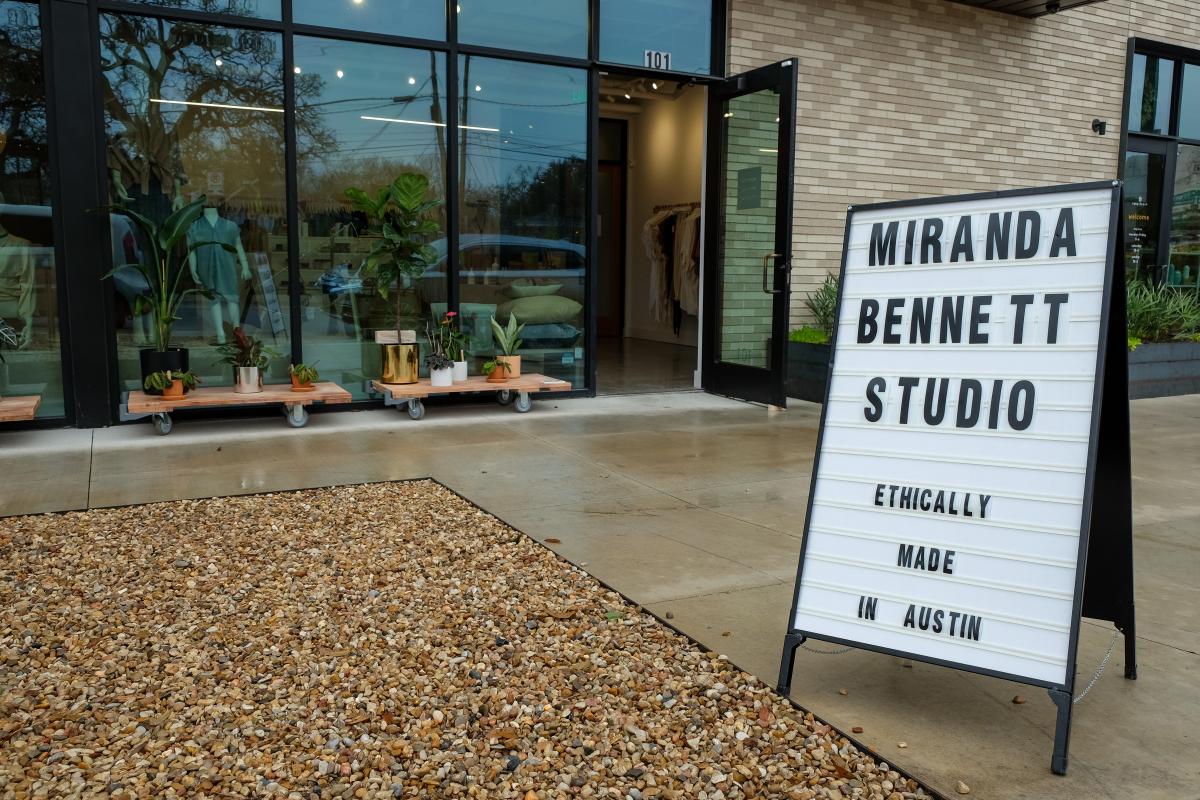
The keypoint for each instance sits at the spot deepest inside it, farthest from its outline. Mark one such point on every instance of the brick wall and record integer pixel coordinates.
(906, 98)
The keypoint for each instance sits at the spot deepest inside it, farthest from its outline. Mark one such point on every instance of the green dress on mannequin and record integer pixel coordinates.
(216, 268)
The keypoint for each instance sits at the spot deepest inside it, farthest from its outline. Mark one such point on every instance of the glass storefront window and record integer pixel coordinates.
(1189, 104)
(1150, 94)
(660, 34)
(30, 360)
(1183, 268)
(523, 209)
(371, 113)
(1142, 197)
(554, 27)
(30, 347)
(195, 110)
(420, 19)
(264, 9)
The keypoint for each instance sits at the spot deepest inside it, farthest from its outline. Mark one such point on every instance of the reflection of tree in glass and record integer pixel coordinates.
(152, 143)
(24, 161)
(235, 8)
(545, 202)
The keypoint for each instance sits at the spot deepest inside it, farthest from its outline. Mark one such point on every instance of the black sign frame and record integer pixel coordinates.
(1103, 584)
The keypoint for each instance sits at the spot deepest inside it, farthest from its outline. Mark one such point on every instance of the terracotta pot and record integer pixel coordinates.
(297, 386)
(174, 391)
(514, 366)
(497, 375)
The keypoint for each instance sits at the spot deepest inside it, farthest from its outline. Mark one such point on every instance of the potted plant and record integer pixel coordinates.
(446, 339)
(163, 268)
(248, 357)
(8, 338)
(171, 385)
(399, 217)
(809, 348)
(496, 370)
(508, 342)
(1163, 325)
(303, 377)
(441, 369)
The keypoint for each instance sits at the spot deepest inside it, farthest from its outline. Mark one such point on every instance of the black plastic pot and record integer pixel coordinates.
(174, 359)
(808, 370)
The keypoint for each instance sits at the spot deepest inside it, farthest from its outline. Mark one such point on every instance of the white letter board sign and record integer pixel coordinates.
(951, 496)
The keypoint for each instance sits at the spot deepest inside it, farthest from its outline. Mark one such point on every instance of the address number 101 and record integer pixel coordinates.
(656, 59)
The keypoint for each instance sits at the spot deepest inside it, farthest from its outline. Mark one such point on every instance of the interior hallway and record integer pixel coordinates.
(694, 505)
(641, 366)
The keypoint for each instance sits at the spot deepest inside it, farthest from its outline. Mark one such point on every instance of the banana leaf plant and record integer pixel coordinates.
(164, 264)
(400, 216)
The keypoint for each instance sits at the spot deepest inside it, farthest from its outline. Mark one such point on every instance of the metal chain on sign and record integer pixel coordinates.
(1100, 669)
(826, 652)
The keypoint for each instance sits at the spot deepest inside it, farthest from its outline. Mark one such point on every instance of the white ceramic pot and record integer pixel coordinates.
(248, 380)
(460, 371)
(441, 377)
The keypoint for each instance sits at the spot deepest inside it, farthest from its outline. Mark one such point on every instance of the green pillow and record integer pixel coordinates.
(542, 310)
(519, 289)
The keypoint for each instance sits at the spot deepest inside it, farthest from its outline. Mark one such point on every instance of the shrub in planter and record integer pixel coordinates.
(1164, 340)
(808, 347)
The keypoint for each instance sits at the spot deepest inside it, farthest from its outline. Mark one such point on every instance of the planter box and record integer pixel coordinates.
(1164, 369)
(808, 371)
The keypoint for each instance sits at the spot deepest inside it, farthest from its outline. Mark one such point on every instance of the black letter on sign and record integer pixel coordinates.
(1064, 233)
(952, 318)
(867, 327)
(932, 416)
(931, 240)
(997, 235)
(922, 321)
(910, 240)
(907, 384)
(979, 317)
(1029, 233)
(964, 247)
(874, 412)
(883, 245)
(1020, 418)
(1054, 301)
(866, 606)
(891, 318)
(968, 416)
(1020, 301)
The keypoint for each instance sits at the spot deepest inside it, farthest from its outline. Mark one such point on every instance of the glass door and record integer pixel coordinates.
(748, 233)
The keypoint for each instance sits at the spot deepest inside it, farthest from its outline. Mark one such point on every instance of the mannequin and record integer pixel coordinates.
(18, 296)
(214, 268)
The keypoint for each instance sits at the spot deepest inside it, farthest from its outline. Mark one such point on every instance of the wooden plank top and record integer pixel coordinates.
(215, 397)
(528, 382)
(19, 409)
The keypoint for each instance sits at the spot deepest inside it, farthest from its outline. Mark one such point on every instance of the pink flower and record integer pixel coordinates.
(451, 313)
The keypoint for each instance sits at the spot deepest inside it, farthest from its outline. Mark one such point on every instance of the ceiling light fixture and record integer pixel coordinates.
(478, 88)
(654, 85)
(429, 124)
(296, 69)
(627, 96)
(412, 81)
(341, 74)
(214, 105)
(219, 63)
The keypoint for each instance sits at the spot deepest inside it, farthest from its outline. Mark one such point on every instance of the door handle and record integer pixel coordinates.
(767, 288)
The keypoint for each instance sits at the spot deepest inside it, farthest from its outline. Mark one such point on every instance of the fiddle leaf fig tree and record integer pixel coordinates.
(401, 217)
(164, 264)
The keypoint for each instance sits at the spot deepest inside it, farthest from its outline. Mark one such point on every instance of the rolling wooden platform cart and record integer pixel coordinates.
(514, 390)
(139, 405)
(19, 409)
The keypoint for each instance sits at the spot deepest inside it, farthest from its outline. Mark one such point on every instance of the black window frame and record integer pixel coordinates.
(71, 45)
(1164, 144)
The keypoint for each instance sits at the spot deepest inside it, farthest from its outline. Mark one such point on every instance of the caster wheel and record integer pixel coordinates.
(297, 416)
(163, 424)
(524, 403)
(504, 396)
(416, 409)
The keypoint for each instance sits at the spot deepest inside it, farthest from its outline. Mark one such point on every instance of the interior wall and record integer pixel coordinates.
(666, 165)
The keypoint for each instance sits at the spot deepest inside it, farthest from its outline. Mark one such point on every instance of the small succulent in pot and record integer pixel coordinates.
(172, 385)
(303, 376)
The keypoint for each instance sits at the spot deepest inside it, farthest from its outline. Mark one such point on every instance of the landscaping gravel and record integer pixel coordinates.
(377, 641)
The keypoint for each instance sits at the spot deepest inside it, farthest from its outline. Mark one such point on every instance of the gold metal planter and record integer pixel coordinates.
(401, 363)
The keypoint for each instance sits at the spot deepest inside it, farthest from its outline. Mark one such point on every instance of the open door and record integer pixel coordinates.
(748, 233)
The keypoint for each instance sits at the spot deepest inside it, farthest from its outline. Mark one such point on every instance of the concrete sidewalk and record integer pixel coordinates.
(693, 506)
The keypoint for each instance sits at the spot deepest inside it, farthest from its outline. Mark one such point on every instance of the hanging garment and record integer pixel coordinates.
(216, 266)
(687, 263)
(660, 289)
(16, 277)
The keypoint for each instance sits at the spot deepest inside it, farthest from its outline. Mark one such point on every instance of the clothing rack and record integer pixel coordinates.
(670, 206)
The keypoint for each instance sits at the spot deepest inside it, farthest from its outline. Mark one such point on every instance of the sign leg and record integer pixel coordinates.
(788, 663)
(1129, 629)
(1062, 730)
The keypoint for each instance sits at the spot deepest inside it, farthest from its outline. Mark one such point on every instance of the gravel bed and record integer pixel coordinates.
(379, 641)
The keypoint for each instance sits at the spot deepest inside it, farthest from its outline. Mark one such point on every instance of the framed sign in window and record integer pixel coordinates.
(954, 488)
